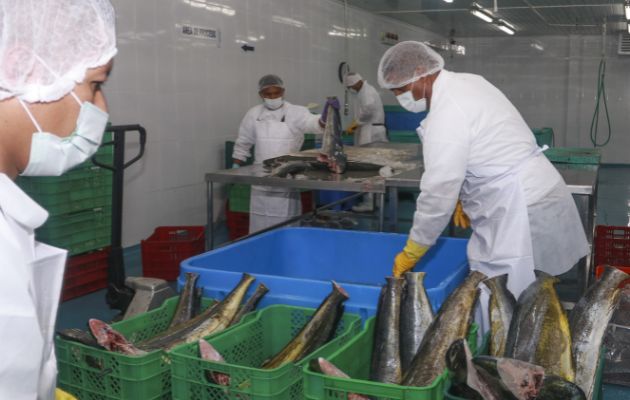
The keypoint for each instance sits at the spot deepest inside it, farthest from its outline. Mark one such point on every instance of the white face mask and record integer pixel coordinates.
(52, 155)
(274, 104)
(410, 104)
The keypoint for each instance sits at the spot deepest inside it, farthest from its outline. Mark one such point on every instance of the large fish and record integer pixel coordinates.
(451, 323)
(186, 303)
(332, 146)
(250, 304)
(501, 308)
(416, 316)
(327, 368)
(492, 378)
(317, 331)
(208, 352)
(214, 319)
(112, 340)
(385, 366)
(556, 388)
(539, 332)
(589, 320)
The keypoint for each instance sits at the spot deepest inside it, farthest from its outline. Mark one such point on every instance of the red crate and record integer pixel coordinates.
(600, 270)
(237, 223)
(167, 247)
(85, 273)
(307, 201)
(612, 245)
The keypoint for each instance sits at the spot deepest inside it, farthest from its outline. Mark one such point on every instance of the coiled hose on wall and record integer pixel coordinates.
(600, 99)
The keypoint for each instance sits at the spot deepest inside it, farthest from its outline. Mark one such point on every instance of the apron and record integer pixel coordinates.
(272, 205)
(370, 133)
(501, 242)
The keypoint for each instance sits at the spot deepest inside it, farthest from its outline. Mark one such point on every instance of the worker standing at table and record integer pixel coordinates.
(275, 127)
(368, 125)
(54, 57)
(478, 148)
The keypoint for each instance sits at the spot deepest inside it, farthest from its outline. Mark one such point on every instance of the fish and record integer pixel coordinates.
(112, 340)
(556, 388)
(250, 304)
(196, 306)
(589, 320)
(492, 378)
(416, 315)
(332, 146)
(315, 333)
(208, 352)
(184, 308)
(385, 366)
(214, 319)
(451, 323)
(327, 368)
(539, 332)
(79, 336)
(294, 168)
(501, 308)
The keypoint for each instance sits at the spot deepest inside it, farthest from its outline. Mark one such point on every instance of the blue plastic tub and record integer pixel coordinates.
(297, 264)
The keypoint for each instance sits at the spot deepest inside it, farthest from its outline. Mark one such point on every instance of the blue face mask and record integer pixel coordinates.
(52, 155)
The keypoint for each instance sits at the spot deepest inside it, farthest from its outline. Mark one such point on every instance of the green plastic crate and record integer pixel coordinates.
(574, 155)
(239, 197)
(94, 374)
(544, 136)
(75, 201)
(78, 179)
(245, 348)
(354, 359)
(78, 232)
(403, 136)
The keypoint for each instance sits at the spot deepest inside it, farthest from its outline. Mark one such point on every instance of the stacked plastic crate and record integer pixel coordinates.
(79, 204)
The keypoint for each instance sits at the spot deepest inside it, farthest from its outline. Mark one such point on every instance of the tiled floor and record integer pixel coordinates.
(613, 208)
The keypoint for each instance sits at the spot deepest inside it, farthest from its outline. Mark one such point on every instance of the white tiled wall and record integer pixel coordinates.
(556, 87)
(190, 95)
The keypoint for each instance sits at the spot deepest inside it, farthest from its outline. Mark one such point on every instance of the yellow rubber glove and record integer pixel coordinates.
(408, 258)
(352, 127)
(460, 218)
(61, 395)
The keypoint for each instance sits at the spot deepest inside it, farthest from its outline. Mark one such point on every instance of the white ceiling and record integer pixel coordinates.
(530, 17)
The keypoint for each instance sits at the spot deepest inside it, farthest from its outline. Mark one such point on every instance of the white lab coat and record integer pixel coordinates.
(477, 146)
(274, 133)
(32, 275)
(369, 114)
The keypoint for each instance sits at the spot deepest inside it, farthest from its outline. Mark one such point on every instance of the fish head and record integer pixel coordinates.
(208, 352)
(103, 333)
(457, 357)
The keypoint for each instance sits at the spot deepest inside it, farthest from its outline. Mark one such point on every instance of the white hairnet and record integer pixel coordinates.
(268, 81)
(47, 45)
(351, 79)
(407, 62)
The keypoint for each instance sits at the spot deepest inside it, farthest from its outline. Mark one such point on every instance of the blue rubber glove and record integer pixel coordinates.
(330, 101)
(235, 165)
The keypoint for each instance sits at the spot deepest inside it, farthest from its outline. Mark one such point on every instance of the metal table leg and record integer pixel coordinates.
(381, 211)
(392, 213)
(210, 216)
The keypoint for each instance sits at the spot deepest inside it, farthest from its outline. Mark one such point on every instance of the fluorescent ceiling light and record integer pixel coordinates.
(506, 29)
(448, 1)
(481, 14)
(627, 8)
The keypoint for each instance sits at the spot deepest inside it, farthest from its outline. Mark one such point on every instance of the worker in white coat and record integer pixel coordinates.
(478, 148)
(54, 55)
(275, 127)
(368, 125)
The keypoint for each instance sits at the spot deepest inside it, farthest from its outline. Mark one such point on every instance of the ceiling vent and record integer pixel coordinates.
(624, 44)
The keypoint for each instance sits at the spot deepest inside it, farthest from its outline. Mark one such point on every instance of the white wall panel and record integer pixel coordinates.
(190, 95)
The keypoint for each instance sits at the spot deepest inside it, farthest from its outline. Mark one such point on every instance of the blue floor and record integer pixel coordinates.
(613, 208)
